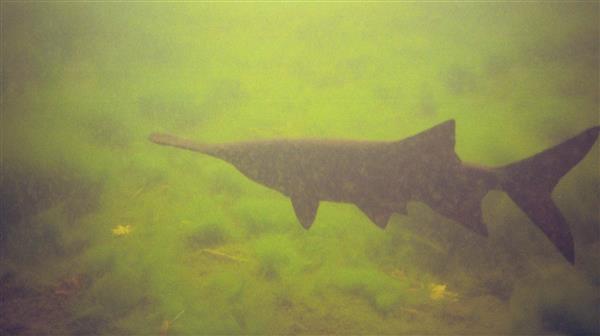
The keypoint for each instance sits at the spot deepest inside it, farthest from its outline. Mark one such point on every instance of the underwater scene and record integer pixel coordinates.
(387, 168)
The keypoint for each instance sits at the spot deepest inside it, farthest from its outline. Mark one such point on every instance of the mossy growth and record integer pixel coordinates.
(258, 216)
(27, 191)
(276, 256)
(558, 301)
(208, 234)
(380, 290)
(110, 298)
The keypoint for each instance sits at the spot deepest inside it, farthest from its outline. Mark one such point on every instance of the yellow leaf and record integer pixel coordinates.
(164, 328)
(438, 292)
(121, 230)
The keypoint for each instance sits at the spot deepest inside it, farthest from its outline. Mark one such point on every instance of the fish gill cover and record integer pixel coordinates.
(103, 232)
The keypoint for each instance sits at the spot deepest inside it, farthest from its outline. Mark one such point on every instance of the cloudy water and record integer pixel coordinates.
(104, 232)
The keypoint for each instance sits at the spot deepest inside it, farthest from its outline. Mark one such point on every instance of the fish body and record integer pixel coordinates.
(381, 177)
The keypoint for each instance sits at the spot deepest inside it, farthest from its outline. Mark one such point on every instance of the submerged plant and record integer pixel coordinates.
(275, 256)
(208, 235)
(381, 291)
(557, 301)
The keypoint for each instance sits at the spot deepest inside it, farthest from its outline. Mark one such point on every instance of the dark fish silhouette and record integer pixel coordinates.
(381, 177)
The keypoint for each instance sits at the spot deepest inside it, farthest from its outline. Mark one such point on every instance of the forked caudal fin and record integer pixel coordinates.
(529, 183)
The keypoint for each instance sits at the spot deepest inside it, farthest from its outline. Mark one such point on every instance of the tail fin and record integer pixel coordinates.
(529, 183)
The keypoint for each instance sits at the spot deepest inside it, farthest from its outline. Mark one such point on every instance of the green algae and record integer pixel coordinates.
(84, 84)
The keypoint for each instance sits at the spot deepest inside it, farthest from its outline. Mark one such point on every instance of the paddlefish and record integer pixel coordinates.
(381, 177)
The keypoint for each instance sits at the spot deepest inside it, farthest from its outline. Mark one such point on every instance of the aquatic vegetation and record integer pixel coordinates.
(224, 182)
(440, 292)
(109, 298)
(84, 84)
(71, 285)
(555, 301)
(26, 190)
(207, 235)
(271, 263)
(32, 309)
(166, 325)
(91, 324)
(276, 255)
(275, 218)
(381, 291)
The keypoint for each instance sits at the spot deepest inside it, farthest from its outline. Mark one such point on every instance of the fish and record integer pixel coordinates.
(381, 177)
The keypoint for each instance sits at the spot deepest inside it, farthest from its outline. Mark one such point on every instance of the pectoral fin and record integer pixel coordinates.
(306, 209)
(378, 215)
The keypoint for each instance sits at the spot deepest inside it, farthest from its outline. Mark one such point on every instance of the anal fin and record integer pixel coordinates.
(468, 214)
(378, 215)
(473, 221)
(305, 209)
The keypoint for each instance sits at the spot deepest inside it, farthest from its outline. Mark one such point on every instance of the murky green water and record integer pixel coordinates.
(104, 232)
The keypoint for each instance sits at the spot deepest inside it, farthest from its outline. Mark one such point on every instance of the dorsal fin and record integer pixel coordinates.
(443, 133)
(438, 138)
(437, 142)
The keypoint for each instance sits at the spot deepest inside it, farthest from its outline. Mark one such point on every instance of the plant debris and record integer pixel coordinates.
(121, 230)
